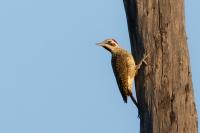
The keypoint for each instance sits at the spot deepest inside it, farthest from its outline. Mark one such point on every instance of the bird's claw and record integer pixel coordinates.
(144, 59)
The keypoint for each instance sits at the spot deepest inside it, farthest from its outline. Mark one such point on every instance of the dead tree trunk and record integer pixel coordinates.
(164, 87)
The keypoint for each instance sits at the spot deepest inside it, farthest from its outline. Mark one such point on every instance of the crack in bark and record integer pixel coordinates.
(161, 37)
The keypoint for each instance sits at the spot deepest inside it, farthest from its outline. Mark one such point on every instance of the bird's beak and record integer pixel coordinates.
(100, 44)
(104, 45)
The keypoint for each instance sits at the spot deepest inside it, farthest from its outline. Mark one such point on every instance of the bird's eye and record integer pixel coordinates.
(112, 43)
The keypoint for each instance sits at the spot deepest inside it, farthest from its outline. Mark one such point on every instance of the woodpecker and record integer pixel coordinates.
(124, 67)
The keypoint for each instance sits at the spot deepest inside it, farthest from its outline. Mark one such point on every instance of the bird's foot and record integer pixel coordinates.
(142, 61)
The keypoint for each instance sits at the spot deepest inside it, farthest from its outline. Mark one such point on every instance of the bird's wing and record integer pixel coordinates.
(120, 68)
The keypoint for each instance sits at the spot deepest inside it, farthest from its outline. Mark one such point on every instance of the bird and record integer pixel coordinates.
(124, 67)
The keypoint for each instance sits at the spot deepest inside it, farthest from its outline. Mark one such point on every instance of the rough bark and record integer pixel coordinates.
(163, 87)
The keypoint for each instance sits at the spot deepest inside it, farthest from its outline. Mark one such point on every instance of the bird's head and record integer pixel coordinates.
(109, 44)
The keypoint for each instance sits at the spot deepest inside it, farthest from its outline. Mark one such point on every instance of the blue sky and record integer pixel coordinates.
(53, 78)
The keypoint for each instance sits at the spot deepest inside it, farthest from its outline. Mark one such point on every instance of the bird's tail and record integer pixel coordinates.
(134, 101)
(136, 104)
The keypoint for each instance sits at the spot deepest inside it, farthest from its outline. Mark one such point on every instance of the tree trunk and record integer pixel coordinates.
(163, 87)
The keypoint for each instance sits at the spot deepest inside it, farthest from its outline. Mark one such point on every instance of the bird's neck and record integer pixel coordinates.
(117, 50)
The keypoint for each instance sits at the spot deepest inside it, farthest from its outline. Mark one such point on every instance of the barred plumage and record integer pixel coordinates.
(124, 69)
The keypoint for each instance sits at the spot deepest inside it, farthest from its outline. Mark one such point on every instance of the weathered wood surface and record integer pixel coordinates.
(164, 87)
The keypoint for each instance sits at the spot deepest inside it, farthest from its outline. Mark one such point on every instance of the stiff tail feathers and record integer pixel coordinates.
(136, 104)
(134, 101)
